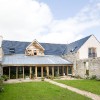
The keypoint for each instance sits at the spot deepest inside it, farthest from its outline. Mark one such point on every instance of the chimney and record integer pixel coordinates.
(1, 38)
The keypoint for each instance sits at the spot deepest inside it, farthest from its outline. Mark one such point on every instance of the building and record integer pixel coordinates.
(25, 59)
(85, 55)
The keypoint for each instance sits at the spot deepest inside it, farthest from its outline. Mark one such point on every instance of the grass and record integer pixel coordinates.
(92, 86)
(38, 91)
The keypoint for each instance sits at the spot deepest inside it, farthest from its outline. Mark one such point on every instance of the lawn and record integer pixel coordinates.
(38, 91)
(88, 85)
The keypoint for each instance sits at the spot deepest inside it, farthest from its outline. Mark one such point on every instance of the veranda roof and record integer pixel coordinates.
(21, 60)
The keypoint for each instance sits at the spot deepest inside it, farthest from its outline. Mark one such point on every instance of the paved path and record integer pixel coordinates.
(85, 93)
(21, 80)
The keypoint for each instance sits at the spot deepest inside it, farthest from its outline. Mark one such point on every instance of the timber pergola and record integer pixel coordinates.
(62, 68)
(50, 64)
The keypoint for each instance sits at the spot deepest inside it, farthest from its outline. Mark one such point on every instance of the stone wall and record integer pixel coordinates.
(93, 67)
(81, 65)
(72, 57)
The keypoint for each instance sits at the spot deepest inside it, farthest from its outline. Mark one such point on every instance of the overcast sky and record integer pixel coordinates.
(54, 21)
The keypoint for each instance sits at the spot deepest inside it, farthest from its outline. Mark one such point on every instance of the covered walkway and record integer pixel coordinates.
(21, 66)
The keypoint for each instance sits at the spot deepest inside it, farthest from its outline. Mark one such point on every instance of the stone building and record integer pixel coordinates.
(25, 59)
(85, 55)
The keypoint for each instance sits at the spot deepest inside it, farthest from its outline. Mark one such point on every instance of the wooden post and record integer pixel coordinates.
(63, 70)
(58, 70)
(47, 70)
(72, 71)
(9, 72)
(23, 72)
(30, 72)
(42, 71)
(53, 71)
(16, 72)
(36, 71)
(67, 70)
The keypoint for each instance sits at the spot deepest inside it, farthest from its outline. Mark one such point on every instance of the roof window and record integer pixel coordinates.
(11, 50)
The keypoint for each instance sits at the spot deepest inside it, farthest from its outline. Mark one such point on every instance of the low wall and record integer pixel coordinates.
(80, 67)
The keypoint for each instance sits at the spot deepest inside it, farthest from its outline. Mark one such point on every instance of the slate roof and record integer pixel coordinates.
(50, 49)
(75, 46)
(21, 59)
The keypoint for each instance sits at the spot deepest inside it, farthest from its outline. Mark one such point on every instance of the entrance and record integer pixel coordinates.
(69, 70)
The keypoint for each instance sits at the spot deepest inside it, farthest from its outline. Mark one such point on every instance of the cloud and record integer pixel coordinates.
(26, 20)
(23, 18)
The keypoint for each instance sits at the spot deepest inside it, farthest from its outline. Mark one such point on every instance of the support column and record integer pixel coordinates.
(47, 70)
(58, 70)
(36, 71)
(67, 70)
(23, 72)
(53, 71)
(63, 70)
(16, 72)
(42, 71)
(30, 72)
(9, 72)
(72, 70)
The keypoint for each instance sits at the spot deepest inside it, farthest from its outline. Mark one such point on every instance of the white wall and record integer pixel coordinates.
(91, 42)
(1, 38)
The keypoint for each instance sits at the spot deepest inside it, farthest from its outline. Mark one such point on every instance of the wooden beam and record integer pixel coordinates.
(36, 71)
(53, 71)
(16, 72)
(67, 70)
(9, 72)
(42, 71)
(23, 72)
(47, 68)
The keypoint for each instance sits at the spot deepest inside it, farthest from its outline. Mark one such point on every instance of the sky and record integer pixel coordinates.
(50, 21)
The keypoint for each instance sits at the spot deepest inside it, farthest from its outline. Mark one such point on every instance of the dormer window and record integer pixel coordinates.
(34, 48)
(11, 50)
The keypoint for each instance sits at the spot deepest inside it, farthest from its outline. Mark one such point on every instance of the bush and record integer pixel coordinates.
(93, 77)
(1, 84)
(98, 78)
(42, 79)
(5, 77)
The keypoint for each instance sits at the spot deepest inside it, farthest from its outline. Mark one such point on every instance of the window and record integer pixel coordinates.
(11, 50)
(92, 52)
(87, 72)
(35, 53)
(86, 65)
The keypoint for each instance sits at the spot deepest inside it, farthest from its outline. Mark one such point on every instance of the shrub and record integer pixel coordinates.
(98, 78)
(42, 79)
(5, 77)
(1, 84)
(93, 77)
